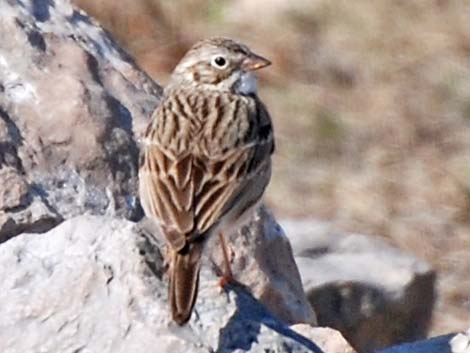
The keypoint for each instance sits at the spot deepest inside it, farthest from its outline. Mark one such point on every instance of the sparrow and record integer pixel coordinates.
(206, 158)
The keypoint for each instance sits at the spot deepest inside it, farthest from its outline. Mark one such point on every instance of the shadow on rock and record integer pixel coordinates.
(245, 328)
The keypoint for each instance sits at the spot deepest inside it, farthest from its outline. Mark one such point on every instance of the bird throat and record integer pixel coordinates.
(247, 84)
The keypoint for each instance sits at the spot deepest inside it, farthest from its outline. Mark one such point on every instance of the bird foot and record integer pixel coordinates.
(225, 280)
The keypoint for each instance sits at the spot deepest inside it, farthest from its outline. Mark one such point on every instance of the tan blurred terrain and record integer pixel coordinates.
(371, 105)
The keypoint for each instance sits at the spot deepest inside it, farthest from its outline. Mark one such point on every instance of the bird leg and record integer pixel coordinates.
(227, 276)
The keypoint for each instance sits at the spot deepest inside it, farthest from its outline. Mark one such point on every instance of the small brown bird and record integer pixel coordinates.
(206, 158)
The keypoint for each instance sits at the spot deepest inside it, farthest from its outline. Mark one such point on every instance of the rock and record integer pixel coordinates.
(374, 294)
(14, 189)
(97, 284)
(329, 340)
(263, 261)
(440, 344)
(460, 343)
(72, 105)
(21, 207)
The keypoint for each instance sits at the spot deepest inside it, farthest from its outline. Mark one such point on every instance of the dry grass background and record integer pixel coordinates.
(371, 105)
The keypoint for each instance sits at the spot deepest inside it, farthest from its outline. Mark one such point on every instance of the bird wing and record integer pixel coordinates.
(199, 154)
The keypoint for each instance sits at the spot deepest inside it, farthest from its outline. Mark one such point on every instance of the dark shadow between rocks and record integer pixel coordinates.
(11, 229)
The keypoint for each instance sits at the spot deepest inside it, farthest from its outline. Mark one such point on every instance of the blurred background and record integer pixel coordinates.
(371, 107)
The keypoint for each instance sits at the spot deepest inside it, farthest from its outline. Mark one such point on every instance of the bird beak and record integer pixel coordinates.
(255, 62)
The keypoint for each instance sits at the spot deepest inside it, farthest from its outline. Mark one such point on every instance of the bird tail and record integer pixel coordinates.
(184, 278)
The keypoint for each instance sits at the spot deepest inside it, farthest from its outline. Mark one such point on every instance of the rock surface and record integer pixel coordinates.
(375, 295)
(460, 343)
(262, 259)
(440, 344)
(328, 339)
(97, 284)
(72, 105)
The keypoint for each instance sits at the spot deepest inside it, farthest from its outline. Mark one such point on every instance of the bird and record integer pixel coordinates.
(205, 160)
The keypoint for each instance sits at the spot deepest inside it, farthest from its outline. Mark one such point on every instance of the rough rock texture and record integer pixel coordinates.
(72, 105)
(374, 294)
(97, 284)
(326, 338)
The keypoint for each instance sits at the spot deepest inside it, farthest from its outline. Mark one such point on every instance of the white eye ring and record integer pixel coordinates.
(219, 61)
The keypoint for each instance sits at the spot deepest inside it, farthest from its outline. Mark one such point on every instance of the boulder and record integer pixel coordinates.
(262, 259)
(440, 344)
(72, 106)
(98, 284)
(373, 293)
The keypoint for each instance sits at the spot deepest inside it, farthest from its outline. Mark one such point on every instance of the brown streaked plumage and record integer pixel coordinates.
(206, 157)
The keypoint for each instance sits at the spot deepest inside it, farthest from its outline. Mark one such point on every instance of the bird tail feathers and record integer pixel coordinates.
(184, 278)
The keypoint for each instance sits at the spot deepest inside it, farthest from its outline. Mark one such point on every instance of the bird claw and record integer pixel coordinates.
(226, 280)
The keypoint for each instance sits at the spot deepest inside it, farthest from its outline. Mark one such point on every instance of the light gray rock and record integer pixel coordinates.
(373, 293)
(97, 284)
(72, 106)
(460, 343)
(262, 259)
(328, 339)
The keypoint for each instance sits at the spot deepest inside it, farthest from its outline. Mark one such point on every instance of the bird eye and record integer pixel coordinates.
(219, 62)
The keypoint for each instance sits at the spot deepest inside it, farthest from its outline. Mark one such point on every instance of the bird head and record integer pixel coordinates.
(220, 64)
